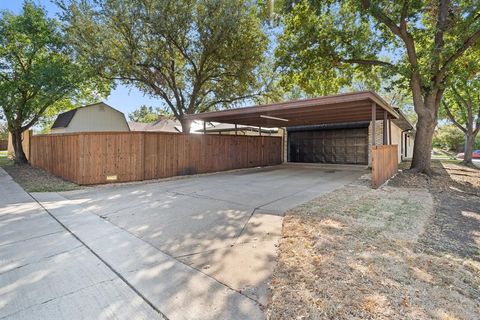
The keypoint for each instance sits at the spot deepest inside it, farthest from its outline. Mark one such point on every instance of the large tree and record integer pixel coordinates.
(195, 55)
(461, 102)
(37, 70)
(412, 44)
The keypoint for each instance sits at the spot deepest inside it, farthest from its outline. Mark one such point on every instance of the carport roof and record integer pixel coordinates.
(347, 107)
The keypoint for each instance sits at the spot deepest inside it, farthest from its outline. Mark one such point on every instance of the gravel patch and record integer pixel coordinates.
(36, 180)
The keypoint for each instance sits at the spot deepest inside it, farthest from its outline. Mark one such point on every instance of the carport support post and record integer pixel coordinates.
(389, 130)
(385, 124)
(374, 119)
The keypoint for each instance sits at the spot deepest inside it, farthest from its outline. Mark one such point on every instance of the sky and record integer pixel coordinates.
(123, 98)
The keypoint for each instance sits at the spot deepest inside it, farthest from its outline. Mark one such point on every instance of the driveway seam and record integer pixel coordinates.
(101, 259)
(221, 248)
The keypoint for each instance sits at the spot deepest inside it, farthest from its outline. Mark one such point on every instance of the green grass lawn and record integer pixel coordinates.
(4, 160)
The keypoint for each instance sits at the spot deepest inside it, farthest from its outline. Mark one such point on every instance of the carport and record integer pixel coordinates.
(356, 107)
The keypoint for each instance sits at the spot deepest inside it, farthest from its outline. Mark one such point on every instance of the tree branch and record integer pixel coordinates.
(403, 16)
(381, 16)
(402, 33)
(45, 106)
(367, 62)
(452, 118)
(469, 42)
(253, 95)
(466, 107)
(438, 42)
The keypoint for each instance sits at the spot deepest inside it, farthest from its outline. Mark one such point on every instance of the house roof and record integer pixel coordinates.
(402, 121)
(163, 125)
(137, 126)
(63, 119)
(347, 107)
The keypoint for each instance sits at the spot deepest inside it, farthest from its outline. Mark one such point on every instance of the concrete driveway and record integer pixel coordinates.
(225, 225)
(200, 247)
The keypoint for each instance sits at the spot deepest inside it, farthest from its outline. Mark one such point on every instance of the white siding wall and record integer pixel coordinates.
(397, 139)
(97, 118)
(410, 142)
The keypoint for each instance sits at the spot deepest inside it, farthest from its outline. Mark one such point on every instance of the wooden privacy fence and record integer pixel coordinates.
(101, 157)
(384, 163)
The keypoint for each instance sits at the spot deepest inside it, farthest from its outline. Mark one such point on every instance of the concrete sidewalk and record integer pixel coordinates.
(46, 273)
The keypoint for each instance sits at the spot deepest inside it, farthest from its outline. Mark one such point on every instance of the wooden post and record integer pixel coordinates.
(260, 131)
(389, 130)
(236, 133)
(401, 143)
(406, 145)
(374, 119)
(385, 124)
(204, 127)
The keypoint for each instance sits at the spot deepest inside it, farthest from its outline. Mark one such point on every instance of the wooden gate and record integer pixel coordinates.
(384, 163)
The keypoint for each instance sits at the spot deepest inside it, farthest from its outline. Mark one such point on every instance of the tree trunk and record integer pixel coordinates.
(186, 125)
(469, 141)
(422, 149)
(20, 157)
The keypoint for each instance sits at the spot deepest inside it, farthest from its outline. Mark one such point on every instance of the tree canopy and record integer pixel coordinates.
(461, 101)
(37, 70)
(194, 55)
(408, 45)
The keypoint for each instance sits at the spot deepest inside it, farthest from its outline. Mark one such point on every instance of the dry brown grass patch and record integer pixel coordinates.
(356, 254)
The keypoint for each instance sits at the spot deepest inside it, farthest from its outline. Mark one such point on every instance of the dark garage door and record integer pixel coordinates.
(329, 144)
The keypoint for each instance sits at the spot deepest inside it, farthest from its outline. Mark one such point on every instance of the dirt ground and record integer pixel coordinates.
(33, 179)
(409, 250)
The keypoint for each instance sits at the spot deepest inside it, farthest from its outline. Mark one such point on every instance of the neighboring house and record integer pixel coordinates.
(91, 118)
(162, 125)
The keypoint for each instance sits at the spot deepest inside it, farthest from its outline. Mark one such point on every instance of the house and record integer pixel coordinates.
(161, 125)
(90, 118)
(338, 129)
